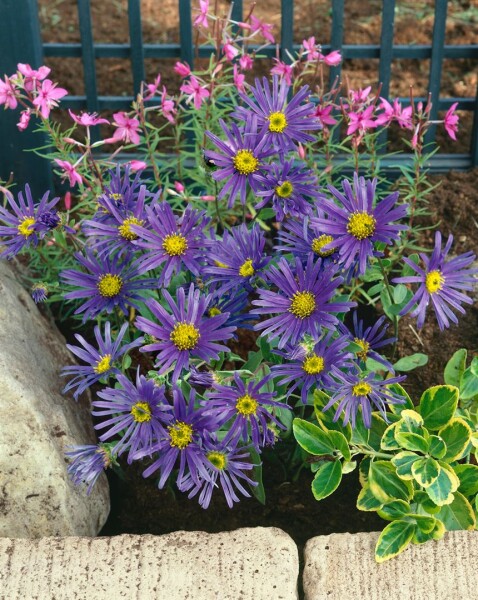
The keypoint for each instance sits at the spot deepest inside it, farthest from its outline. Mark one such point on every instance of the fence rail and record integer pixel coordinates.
(20, 41)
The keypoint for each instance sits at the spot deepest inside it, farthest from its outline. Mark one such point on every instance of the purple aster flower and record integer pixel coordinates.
(282, 123)
(235, 303)
(303, 240)
(353, 391)
(240, 160)
(121, 190)
(110, 229)
(226, 464)
(87, 463)
(171, 241)
(370, 339)
(249, 410)
(136, 412)
(101, 360)
(200, 378)
(39, 292)
(311, 365)
(288, 186)
(302, 301)
(236, 260)
(186, 333)
(441, 282)
(23, 227)
(109, 283)
(183, 440)
(358, 225)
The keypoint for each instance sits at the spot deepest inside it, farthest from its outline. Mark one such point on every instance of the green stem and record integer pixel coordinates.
(395, 317)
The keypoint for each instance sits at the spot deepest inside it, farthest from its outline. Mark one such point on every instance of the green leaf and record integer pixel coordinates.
(397, 389)
(403, 462)
(455, 367)
(349, 466)
(254, 359)
(311, 438)
(340, 443)
(422, 499)
(394, 539)
(441, 490)
(458, 515)
(327, 479)
(394, 510)
(408, 363)
(425, 471)
(468, 385)
(411, 441)
(360, 434)
(425, 523)
(437, 446)
(325, 419)
(388, 441)
(385, 484)
(438, 405)
(366, 501)
(399, 293)
(456, 435)
(474, 366)
(376, 431)
(258, 490)
(468, 475)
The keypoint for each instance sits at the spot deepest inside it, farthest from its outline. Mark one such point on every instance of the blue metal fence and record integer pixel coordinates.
(20, 41)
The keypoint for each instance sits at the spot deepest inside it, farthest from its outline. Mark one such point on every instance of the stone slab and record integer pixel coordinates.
(246, 564)
(342, 565)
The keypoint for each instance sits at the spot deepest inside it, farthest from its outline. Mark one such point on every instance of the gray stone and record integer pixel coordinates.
(342, 565)
(36, 424)
(247, 564)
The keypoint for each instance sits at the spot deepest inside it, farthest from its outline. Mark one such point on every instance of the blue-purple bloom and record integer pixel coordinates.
(358, 225)
(249, 410)
(235, 303)
(137, 412)
(121, 190)
(101, 360)
(302, 301)
(186, 333)
(237, 259)
(282, 123)
(39, 292)
(289, 187)
(441, 282)
(23, 227)
(170, 241)
(311, 366)
(240, 159)
(110, 283)
(352, 391)
(370, 339)
(302, 239)
(88, 462)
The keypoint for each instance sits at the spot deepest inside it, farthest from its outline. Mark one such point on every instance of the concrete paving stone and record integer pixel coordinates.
(246, 564)
(342, 566)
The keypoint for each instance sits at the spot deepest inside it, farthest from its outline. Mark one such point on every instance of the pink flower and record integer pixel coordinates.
(47, 97)
(127, 129)
(24, 120)
(283, 70)
(230, 51)
(403, 116)
(32, 76)
(194, 89)
(153, 87)
(310, 48)
(182, 69)
(168, 107)
(323, 114)
(179, 187)
(137, 165)
(414, 141)
(67, 200)
(7, 94)
(201, 19)
(359, 96)
(301, 151)
(333, 58)
(361, 121)
(87, 119)
(246, 62)
(238, 79)
(264, 28)
(69, 171)
(451, 121)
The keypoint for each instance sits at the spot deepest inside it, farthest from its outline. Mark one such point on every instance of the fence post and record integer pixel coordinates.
(20, 41)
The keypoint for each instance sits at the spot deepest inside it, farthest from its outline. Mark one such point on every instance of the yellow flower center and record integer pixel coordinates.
(218, 459)
(25, 228)
(365, 348)
(181, 434)
(320, 242)
(313, 364)
(141, 412)
(185, 336)
(277, 122)
(103, 365)
(246, 405)
(125, 229)
(361, 225)
(214, 311)
(285, 189)
(361, 389)
(110, 285)
(302, 304)
(117, 197)
(245, 162)
(434, 281)
(175, 244)
(246, 269)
